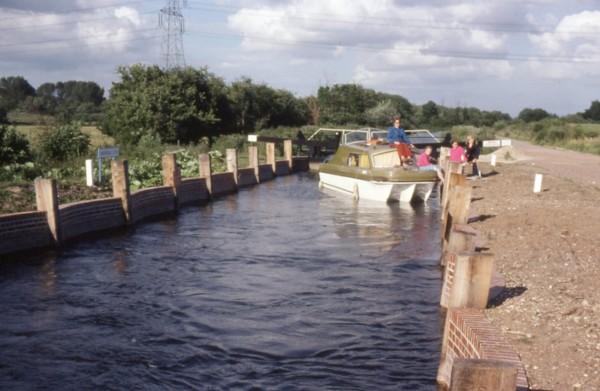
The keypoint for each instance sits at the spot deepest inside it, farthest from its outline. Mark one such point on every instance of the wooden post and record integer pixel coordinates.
(451, 179)
(171, 174)
(46, 198)
(253, 161)
(472, 280)
(120, 183)
(271, 156)
(232, 163)
(206, 171)
(443, 159)
(462, 238)
(458, 210)
(287, 153)
(483, 375)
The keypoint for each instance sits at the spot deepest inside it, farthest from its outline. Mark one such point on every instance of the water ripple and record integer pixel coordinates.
(280, 287)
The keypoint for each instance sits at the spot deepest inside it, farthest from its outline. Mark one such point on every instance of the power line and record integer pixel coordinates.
(80, 10)
(436, 52)
(492, 56)
(514, 28)
(106, 42)
(65, 40)
(43, 26)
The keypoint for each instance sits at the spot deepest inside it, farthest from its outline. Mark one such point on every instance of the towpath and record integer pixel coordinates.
(581, 167)
(545, 246)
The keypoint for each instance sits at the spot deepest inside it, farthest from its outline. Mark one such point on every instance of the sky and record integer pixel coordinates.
(493, 54)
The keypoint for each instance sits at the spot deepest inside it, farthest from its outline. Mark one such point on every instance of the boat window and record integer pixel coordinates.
(353, 160)
(386, 159)
(356, 136)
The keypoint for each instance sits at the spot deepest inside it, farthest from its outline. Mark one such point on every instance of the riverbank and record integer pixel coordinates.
(546, 248)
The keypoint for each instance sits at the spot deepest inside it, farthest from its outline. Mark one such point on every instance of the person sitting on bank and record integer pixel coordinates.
(457, 153)
(397, 137)
(472, 154)
(425, 163)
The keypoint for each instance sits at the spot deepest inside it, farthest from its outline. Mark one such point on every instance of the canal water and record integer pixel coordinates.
(280, 287)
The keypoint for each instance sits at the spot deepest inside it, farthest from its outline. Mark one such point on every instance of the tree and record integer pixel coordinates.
(593, 112)
(314, 110)
(13, 91)
(430, 112)
(532, 115)
(381, 113)
(14, 148)
(344, 104)
(175, 104)
(64, 142)
(258, 106)
(3, 116)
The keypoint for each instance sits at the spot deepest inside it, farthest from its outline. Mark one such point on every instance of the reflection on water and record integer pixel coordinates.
(278, 287)
(120, 262)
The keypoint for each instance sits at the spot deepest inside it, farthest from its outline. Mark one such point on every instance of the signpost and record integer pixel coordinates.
(496, 143)
(104, 153)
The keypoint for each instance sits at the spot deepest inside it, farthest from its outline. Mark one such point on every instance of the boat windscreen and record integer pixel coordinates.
(356, 136)
(386, 159)
(422, 137)
(379, 134)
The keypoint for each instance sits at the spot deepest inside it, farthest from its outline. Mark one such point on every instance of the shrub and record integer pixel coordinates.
(14, 148)
(237, 141)
(64, 142)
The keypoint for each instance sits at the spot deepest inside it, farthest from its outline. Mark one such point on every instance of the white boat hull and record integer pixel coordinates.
(377, 191)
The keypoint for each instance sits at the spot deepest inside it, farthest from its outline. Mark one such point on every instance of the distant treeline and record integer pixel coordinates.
(188, 104)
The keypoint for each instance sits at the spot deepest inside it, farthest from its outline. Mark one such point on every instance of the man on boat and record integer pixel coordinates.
(398, 139)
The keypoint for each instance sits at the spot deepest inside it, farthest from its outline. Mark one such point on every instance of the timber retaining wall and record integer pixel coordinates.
(469, 276)
(54, 224)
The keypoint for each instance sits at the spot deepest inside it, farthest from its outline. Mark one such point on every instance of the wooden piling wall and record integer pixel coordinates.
(193, 190)
(468, 280)
(53, 224)
(79, 218)
(469, 334)
(24, 231)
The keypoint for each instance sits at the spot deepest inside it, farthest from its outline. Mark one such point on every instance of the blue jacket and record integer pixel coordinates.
(397, 134)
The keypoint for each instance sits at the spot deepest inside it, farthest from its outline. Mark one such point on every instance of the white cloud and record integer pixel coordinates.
(572, 49)
(425, 37)
(63, 39)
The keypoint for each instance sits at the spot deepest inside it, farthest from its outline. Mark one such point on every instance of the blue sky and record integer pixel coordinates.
(494, 54)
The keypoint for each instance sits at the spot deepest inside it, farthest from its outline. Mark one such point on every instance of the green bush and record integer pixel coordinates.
(64, 142)
(14, 148)
(20, 172)
(237, 141)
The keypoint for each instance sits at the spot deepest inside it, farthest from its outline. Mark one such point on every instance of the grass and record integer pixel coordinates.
(97, 138)
(23, 118)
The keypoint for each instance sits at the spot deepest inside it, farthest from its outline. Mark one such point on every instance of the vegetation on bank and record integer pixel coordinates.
(50, 130)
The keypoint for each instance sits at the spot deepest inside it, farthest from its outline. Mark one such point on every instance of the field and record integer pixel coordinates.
(97, 138)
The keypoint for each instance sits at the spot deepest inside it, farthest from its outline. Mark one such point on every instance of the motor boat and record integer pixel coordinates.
(372, 171)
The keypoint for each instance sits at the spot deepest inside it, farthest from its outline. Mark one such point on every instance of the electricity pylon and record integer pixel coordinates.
(170, 20)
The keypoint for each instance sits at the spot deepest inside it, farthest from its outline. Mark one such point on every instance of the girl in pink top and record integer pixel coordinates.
(424, 163)
(457, 153)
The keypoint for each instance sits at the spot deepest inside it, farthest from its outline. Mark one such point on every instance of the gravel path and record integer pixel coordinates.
(581, 167)
(546, 247)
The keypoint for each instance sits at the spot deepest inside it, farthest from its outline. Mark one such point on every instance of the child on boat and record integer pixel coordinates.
(424, 163)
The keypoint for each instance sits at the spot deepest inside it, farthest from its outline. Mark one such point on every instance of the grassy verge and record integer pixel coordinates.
(97, 138)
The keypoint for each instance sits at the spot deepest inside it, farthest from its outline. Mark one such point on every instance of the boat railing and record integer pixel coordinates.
(418, 137)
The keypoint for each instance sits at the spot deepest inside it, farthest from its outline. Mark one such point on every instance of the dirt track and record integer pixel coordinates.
(581, 167)
(546, 247)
